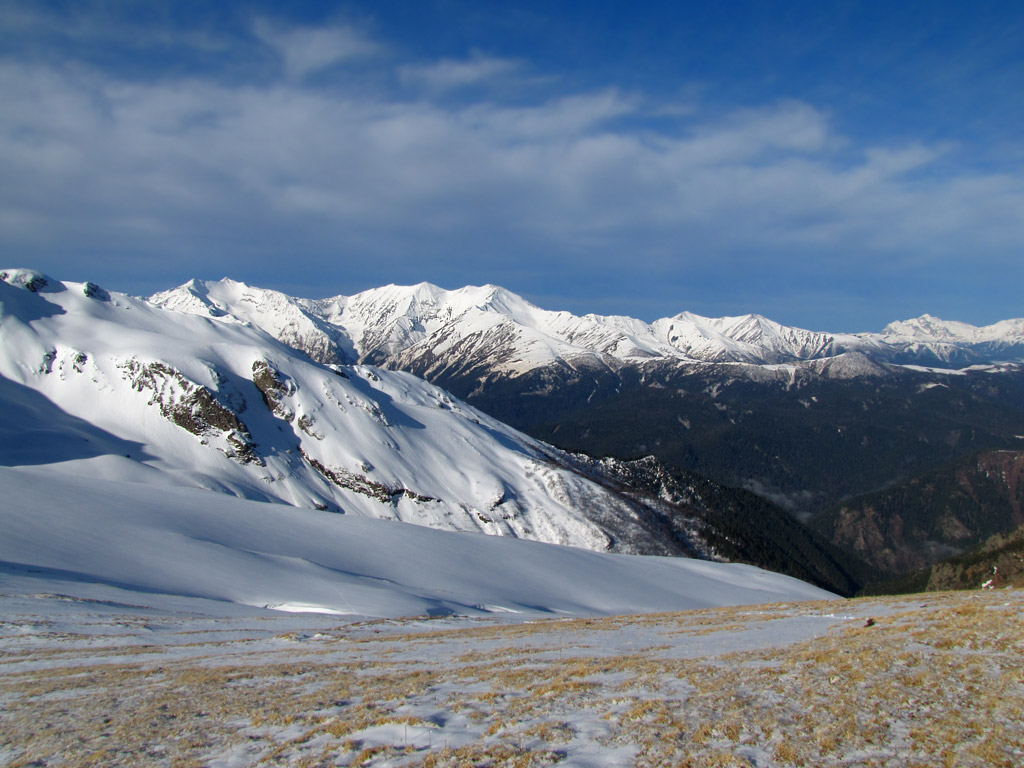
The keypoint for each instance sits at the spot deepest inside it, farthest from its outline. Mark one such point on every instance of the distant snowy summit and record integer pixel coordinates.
(439, 333)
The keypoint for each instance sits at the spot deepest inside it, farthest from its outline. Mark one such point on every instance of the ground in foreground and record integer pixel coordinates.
(925, 680)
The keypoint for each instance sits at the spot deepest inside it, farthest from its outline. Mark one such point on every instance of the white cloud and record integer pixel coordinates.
(98, 24)
(306, 50)
(557, 120)
(750, 133)
(450, 74)
(262, 167)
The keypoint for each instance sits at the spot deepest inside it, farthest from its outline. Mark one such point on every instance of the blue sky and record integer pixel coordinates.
(833, 165)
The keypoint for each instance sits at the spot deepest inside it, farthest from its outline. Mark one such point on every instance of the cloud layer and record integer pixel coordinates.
(342, 153)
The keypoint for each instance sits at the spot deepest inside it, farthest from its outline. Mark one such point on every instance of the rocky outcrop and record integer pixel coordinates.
(997, 563)
(191, 406)
(723, 523)
(93, 291)
(271, 385)
(26, 278)
(364, 485)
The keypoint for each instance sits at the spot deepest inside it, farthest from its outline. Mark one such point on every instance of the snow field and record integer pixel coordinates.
(135, 543)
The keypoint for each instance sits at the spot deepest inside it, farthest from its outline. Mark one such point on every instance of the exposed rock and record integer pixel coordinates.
(997, 563)
(306, 425)
(46, 366)
(269, 382)
(915, 524)
(191, 406)
(27, 279)
(721, 523)
(93, 291)
(364, 485)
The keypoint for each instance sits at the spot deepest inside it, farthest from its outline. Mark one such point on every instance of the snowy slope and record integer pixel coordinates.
(488, 329)
(103, 385)
(280, 315)
(136, 544)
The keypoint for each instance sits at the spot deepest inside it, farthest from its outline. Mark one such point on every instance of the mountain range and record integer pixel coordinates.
(323, 404)
(696, 390)
(101, 385)
(808, 419)
(115, 387)
(426, 327)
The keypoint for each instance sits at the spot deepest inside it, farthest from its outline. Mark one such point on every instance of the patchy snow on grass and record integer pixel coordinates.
(920, 680)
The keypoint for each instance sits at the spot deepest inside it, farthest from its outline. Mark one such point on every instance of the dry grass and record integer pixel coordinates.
(936, 680)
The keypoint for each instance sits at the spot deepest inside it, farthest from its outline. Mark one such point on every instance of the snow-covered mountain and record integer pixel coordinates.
(439, 333)
(947, 343)
(99, 384)
(744, 400)
(412, 326)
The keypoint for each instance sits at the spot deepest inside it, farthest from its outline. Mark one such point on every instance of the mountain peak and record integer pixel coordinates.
(932, 328)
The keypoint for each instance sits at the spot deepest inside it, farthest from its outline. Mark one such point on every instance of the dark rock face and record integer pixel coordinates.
(723, 523)
(997, 563)
(270, 384)
(93, 291)
(364, 485)
(191, 406)
(31, 281)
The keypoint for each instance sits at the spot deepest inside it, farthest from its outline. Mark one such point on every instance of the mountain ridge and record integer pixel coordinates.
(407, 323)
(823, 424)
(216, 404)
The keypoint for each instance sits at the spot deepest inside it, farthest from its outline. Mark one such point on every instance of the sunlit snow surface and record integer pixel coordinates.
(135, 544)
